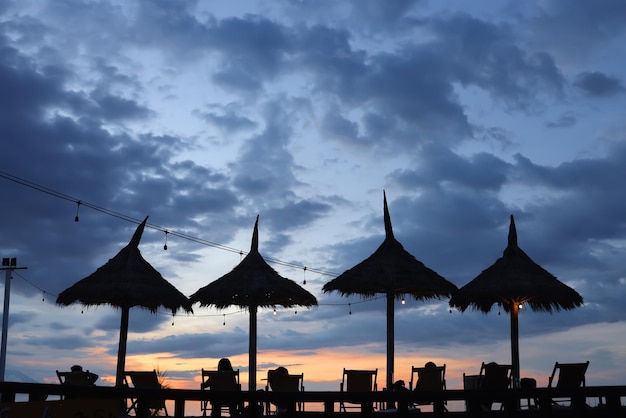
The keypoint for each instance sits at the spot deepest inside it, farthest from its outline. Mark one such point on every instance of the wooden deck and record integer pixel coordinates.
(607, 401)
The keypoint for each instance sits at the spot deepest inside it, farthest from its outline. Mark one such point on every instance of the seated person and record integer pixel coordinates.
(223, 365)
(429, 376)
(278, 381)
(78, 375)
(397, 386)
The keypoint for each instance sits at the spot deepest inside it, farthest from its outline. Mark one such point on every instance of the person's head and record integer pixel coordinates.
(224, 364)
(76, 368)
(281, 370)
(399, 385)
(430, 364)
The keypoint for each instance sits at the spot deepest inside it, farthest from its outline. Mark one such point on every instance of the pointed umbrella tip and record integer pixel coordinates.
(138, 233)
(512, 233)
(388, 228)
(255, 236)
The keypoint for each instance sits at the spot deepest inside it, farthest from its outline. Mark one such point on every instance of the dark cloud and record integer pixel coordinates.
(264, 168)
(566, 120)
(596, 84)
(486, 55)
(578, 24)
(110, 107)
(295, 215)
(439, 165)
(228, 119)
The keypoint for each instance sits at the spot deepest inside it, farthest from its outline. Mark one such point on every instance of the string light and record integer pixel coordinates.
(44, 292)
(304, 275)
(57, 194)
(77, 207)
(403, 301)
(165, 245)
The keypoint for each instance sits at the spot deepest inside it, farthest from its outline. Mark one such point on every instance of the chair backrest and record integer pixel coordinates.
(143, 380)
(571, 375)
(359, 380)
(279, 382)
(495, 376)
(220, 380)
(428, 378)
(146, 380)
(74, 378)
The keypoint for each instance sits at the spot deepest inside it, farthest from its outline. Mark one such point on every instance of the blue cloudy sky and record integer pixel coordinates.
(203, 114)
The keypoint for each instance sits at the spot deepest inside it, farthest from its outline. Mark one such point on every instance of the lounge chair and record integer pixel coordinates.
(144, 380)
(81, 378)
(430, 377)
(220, 380)
(493, 377)
(568, 376)
(284, 382)
(358, 381)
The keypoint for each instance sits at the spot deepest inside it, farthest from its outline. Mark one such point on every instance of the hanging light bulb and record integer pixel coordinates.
(274, 311)
(77, 207)
(403, 300)
(165, 245)
(304, 274)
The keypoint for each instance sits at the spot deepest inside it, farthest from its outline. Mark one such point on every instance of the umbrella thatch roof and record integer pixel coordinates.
(253, 283)
(516, 278)
(391, 269)
(125, 281)
(512, 281)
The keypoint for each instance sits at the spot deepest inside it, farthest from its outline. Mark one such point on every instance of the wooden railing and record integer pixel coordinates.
(609, 399)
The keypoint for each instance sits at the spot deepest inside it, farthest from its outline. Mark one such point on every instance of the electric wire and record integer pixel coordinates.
(197, 240)
(167, 231)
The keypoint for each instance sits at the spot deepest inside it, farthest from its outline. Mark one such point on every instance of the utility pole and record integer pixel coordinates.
(8, 265)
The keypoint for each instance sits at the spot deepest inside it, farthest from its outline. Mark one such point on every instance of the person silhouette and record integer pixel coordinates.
(79, 374)
(223, 365)
(280, 381)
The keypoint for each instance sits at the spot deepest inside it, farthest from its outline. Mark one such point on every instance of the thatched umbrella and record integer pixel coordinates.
(253, 284)
(125, 281)
(513, 280)
(394, 272)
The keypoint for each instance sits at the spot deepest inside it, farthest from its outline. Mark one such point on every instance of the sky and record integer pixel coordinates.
(204, 114)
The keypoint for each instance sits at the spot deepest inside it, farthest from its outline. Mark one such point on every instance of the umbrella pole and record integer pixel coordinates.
(390, 340)
(252, 350)
(121, 351)
(515, 344)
